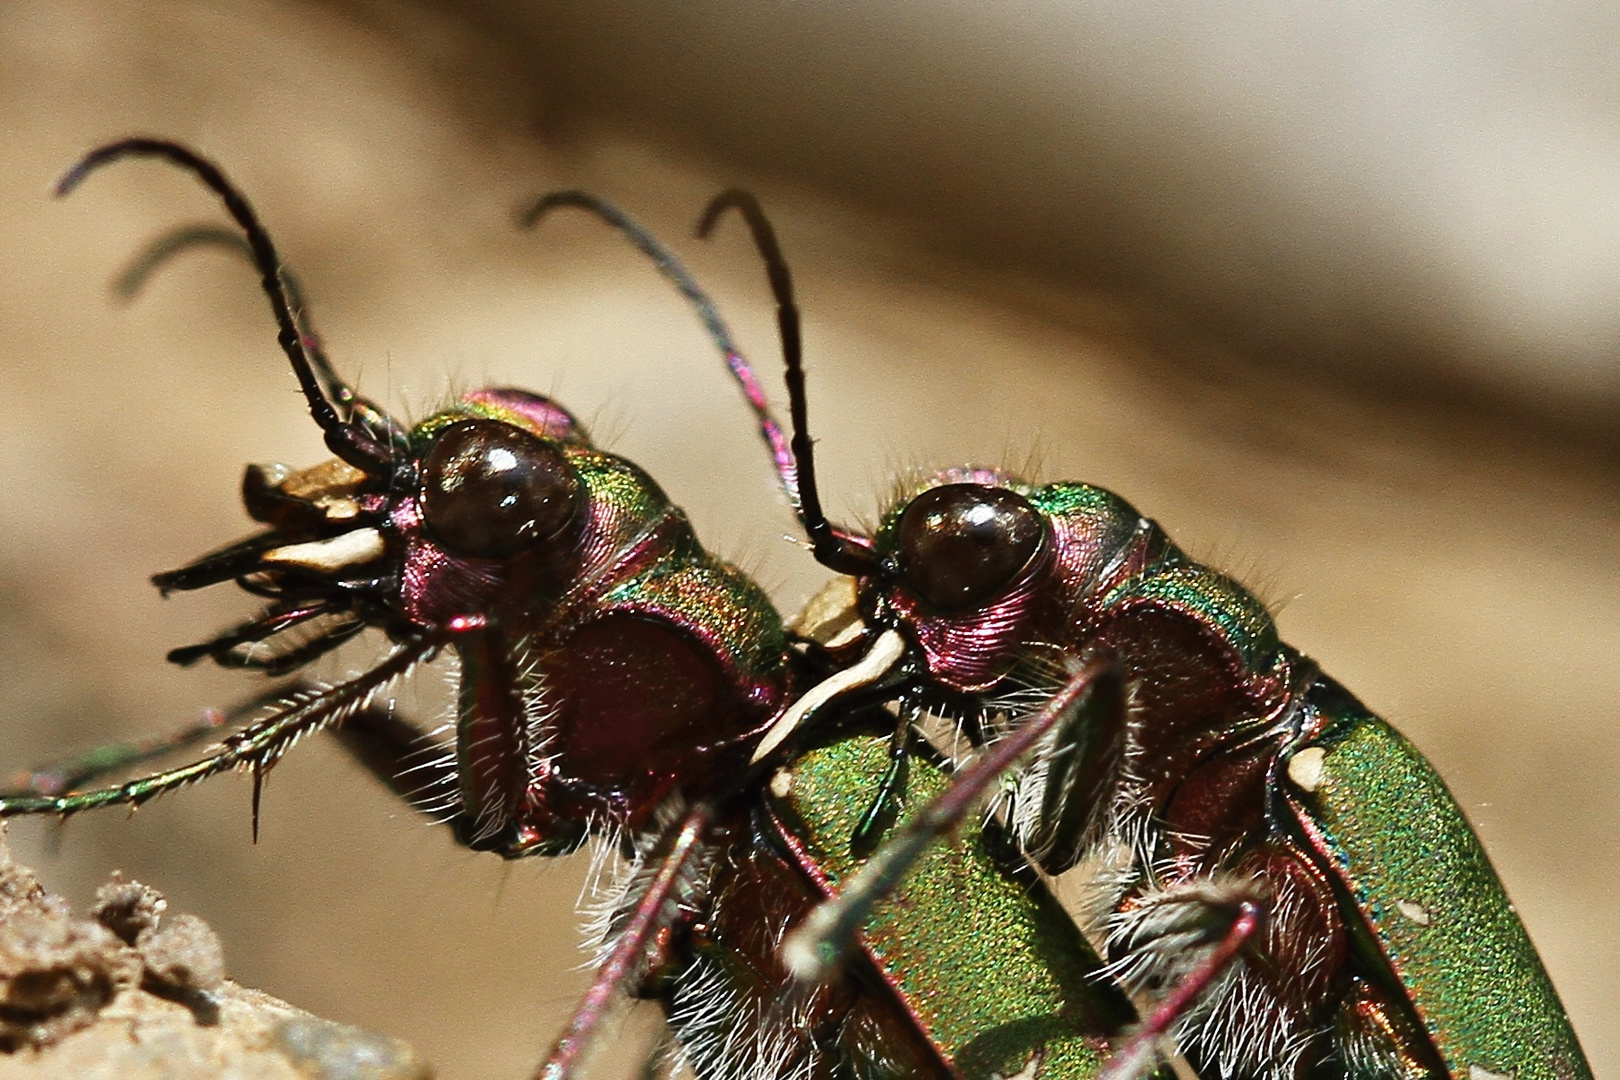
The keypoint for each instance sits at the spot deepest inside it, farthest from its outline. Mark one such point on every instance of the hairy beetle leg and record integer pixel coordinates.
(257, 746)
(639, 942)
(411, 763)
(1139, 1056)
(884, 810)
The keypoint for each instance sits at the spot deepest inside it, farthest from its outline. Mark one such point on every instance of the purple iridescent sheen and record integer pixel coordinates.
(541, 415)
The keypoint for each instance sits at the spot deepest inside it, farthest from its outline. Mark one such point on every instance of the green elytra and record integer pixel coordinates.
(1440, 974)
(1022, 981)
(1431, 921)
(1435, 910)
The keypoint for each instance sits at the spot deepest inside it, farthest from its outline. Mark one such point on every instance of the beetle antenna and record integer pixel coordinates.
(349, 441)
(834, 548)
(169, 245)
(769, 428)
(177, 241)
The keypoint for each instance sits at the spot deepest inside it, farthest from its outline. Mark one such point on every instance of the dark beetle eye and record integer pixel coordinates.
(490, 490)
(962, 544)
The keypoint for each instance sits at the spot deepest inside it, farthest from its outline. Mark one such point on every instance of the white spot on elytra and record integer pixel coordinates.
(1477, 1073)
(1305, 768)
(1030, 1071)
(781, 783)
(1414, 911)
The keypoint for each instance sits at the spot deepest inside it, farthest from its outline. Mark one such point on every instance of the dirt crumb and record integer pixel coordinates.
(128, 908)
(183, 953)
(138, 992)
(57, 973)
(19, 888)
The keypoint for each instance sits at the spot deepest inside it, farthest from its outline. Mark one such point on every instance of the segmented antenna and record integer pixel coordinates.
(354, 408)
(668, 265)
(183, 238)
(834, 548)
(349, 441)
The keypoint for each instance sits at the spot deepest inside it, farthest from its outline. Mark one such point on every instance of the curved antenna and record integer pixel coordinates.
(177, 241)
(348, 441)
(834, 548)
(354, 408)
(769, 429)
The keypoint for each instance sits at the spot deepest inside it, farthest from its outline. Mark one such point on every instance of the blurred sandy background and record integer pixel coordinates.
(1335, 296)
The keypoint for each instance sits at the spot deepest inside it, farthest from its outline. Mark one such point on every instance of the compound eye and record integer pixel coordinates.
(961, 545)
(490, 490)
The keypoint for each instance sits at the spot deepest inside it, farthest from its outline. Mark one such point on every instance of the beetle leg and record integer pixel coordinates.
(59, 777)
(880, 815)
(731, 1002)
(1140, 1054)
(1377, 1037)
(328, 639)
(639, 946)
(1072, 782)
(1265, 1009)
(257, 746)
(280, 616)
(813, 950)
(411, 763)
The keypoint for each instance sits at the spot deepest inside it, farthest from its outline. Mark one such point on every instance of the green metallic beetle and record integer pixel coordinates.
(617, 683)
(1273, 867)
(969, 970)
(1254, 836)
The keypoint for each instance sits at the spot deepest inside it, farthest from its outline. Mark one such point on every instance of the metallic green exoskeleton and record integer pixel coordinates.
(1272, 867)
(970, 970)
(1383, 825)
(1231, 777)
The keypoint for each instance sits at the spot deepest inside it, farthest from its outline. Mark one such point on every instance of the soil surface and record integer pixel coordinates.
(136, 993)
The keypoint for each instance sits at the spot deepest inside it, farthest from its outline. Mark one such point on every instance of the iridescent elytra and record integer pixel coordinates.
(1235, 798)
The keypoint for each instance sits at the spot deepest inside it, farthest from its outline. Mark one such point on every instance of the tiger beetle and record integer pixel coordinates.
(1274, 871)
(621, 685)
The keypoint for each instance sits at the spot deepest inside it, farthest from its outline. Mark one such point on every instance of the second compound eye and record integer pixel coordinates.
(961, 545)
(491, 490)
